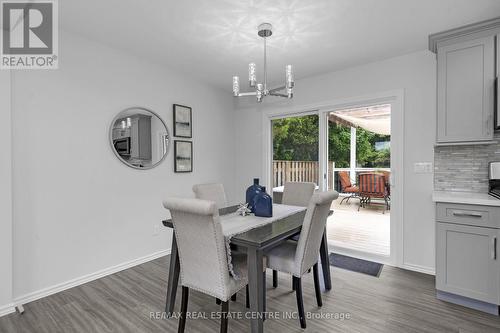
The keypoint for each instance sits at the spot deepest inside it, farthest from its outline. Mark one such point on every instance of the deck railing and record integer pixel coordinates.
(308, 171)
(298, 171)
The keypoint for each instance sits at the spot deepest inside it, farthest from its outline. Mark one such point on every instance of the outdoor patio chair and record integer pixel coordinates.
(347, 187)
(373, 185)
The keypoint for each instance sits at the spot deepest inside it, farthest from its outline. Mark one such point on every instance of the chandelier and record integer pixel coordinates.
(264, 31)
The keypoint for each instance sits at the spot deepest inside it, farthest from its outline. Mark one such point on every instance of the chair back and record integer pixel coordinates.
(212, 192)
(201, 245)
(313, 228)
(387, 176)
(372, 184)
(298, 193)
(345, 180)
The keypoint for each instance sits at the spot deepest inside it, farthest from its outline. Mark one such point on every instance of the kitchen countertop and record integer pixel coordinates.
(470, 198)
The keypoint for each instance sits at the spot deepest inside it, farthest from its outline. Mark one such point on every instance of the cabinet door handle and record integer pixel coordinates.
(494, 248)
(467, 214)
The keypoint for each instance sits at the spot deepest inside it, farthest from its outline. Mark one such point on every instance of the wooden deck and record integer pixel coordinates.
(367, 230)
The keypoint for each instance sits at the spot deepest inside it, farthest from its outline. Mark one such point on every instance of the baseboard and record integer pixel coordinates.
(7, 309)
(468, 302)
(87, 278)
(420, 269)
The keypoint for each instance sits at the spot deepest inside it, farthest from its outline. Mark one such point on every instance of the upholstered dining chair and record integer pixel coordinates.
(298, 193)
(296, 258)
(213, 192)
(202, 254)
(295, 194)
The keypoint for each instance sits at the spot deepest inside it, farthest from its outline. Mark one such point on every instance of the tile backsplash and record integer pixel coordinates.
(464, 168)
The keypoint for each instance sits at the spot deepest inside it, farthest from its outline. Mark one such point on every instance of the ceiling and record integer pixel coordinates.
(216, 39)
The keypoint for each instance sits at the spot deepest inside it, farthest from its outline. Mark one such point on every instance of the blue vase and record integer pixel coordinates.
(252, 191)
(263, 204)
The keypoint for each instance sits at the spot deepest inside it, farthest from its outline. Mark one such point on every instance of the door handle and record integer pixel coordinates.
(494, 248)
(467, 214)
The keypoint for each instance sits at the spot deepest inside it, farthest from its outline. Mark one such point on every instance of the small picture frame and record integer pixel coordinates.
(183, 154)
(183, 121)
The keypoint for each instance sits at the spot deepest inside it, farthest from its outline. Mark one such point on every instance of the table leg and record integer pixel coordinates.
(173, 278)
(325, 262)
(255, 283)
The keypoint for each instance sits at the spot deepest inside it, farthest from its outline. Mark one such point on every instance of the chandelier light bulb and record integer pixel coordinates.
(289, 76)
(252, 77)
(236, 86)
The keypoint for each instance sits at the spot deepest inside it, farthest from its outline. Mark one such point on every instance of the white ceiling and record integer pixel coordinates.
(216, 39)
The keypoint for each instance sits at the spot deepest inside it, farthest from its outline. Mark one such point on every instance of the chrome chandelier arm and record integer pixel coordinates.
(277, 94)
(271, 91)
(251, 93)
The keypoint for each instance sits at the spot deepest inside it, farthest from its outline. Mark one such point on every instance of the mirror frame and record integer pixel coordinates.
(110, 135)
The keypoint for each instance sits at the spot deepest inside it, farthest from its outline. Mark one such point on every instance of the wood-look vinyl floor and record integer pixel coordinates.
(398, 301)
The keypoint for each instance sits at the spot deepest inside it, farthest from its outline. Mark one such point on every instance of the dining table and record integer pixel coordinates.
(254, 242)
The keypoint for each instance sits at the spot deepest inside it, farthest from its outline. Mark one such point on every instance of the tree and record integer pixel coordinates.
(296, 139)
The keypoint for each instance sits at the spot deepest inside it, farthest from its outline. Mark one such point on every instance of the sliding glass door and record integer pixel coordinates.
(359, 168)
(295, 143)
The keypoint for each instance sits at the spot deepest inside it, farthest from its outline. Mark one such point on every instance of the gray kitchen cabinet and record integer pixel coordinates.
(467, 261)
(465, 90)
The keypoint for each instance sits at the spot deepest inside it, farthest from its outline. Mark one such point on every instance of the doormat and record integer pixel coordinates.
(355, 264)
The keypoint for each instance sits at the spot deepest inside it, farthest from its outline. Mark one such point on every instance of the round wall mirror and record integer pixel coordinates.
(139, 138)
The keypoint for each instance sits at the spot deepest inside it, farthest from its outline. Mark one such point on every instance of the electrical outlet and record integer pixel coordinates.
(422, 167)
(156, 230)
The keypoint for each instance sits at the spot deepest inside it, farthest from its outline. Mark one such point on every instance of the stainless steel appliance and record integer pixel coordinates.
(494, 176)
(122, 146)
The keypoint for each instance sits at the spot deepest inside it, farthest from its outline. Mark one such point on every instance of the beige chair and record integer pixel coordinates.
(213, 192)
(296, 258)
(202, 254)
(298, 193)
(295, 194)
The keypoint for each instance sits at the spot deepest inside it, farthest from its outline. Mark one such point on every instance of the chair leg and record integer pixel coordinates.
(300, 301)
(184, 304)
(247, 301)
(275, 278)
(264, 296)
(223, 320)
(317, 287)
(233, 298)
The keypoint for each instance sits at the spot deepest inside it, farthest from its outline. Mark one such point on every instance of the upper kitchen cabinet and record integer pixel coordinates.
(466, 72)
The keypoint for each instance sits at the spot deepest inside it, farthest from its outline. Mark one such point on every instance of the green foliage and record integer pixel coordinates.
(366, 155)
(339, 145)
(296, 139)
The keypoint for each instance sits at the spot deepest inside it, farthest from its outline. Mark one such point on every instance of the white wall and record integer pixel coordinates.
(77, 209)
(416, 74)
(5, 195)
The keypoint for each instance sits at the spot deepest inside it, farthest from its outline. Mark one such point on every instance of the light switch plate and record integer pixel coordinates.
(422, 167)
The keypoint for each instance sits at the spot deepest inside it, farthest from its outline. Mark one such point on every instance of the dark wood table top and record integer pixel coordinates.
(265, 236)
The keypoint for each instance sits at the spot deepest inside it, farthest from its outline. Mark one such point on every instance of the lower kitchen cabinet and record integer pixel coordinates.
(467, 261)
